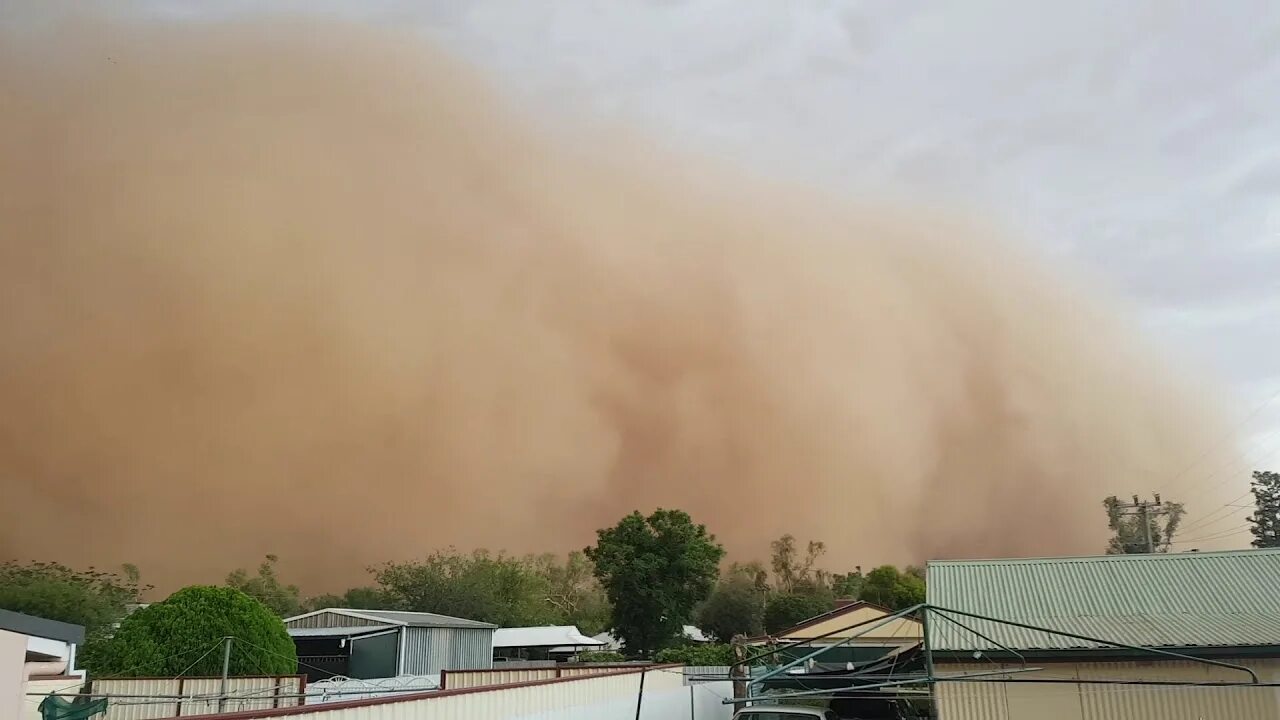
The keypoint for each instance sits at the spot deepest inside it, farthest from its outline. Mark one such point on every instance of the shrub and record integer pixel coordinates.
(183, 636)
(696, 655)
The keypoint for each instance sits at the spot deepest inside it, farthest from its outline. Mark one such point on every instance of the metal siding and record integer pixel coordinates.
(484, 678)
(472, 650)
(1185, 599)
(611, 697)
(330, 619)
(1029, 701)
(137, 708)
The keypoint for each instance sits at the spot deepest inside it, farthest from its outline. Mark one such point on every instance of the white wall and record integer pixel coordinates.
(13, 676)
(609, 696)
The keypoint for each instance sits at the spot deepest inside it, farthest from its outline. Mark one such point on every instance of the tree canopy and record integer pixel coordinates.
(1266, 514)
(182, 636)
(735, 607)
(784, 610)
(655, 571)
(499, 589)
(93, 598)
(266, 588)
(893, 589)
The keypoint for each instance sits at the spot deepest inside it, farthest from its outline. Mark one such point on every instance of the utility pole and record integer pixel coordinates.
(226, 669)
(1146, 510)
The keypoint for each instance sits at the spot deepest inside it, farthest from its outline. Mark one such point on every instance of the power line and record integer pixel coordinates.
(1238, 531)
(1230, 434)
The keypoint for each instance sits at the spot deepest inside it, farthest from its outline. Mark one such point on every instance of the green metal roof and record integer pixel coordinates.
(1207, 599)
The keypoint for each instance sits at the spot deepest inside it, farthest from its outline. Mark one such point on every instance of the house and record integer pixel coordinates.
(552, 642)
(369, 644)
(34, 651)
(838, 630)
(1121, 612)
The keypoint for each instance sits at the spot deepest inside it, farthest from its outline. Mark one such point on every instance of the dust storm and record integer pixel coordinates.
(311, 289)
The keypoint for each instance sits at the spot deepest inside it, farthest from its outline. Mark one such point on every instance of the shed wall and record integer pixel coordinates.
(1083, 701)
(427, 651)
(329, 619)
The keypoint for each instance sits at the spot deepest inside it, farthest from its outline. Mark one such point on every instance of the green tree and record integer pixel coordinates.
(92, 598)
(480, 586)
(183, 634)
(735, 607)
(655, 571)
(574, 591)
(893, 589)
(266, 588)
(1266, 514)
(783, 610)
(356, 598)
(1129, 537)
(847, 585)
(791, 566)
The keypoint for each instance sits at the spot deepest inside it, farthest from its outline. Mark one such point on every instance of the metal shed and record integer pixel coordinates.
(1214, 615)
(383, 643)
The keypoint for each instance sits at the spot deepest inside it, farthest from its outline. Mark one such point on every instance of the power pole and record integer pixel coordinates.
(1146, 510)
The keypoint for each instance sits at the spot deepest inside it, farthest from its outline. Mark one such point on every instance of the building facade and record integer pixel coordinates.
(369, 644)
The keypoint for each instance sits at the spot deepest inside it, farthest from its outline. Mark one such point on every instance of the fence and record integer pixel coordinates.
(611, 694)
(151, 698)
(459, 679)
(338, 689)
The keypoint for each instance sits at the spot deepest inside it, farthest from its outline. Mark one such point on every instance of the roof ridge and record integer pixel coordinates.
(1138, 557)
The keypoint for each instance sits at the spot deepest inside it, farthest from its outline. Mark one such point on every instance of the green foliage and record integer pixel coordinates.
(655, 571)
(92, 598)
(736, 607)
(1128, 536)
(791, 568)
(1266, 515)
(600, 656)
(784, 610)
(498, 589)
(356, 598)
(893, 589)
(183, 636)
(847, 585)
(696, 654)
(574, 592)
(265, 587)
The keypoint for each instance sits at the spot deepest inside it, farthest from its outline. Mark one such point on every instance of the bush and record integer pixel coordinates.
(736, 607)
(696, 655)
(784, 611)
(600, 656)
(183, 636)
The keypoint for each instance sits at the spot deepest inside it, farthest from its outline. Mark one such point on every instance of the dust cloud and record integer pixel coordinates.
(309, 289)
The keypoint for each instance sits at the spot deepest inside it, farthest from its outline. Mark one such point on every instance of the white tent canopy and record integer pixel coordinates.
(553, 636)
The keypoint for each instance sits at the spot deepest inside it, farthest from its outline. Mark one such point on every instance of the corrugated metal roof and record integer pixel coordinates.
(338, 631)
(424, 619)
(394, 617)
(545, 636)
(1226, 598)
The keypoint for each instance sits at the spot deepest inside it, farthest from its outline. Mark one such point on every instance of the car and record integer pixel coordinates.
(784, 712)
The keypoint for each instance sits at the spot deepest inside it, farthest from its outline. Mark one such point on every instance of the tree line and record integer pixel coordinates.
(643, 580)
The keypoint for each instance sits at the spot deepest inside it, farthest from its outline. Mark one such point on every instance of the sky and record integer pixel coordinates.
(1139, 141)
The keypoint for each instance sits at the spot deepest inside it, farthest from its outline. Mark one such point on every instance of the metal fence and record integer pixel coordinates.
(650, 693)
(153, 698)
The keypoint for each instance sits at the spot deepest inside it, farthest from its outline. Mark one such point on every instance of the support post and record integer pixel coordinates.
(927, 645)
(738, 671)
(640, 694)
(226, 669)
